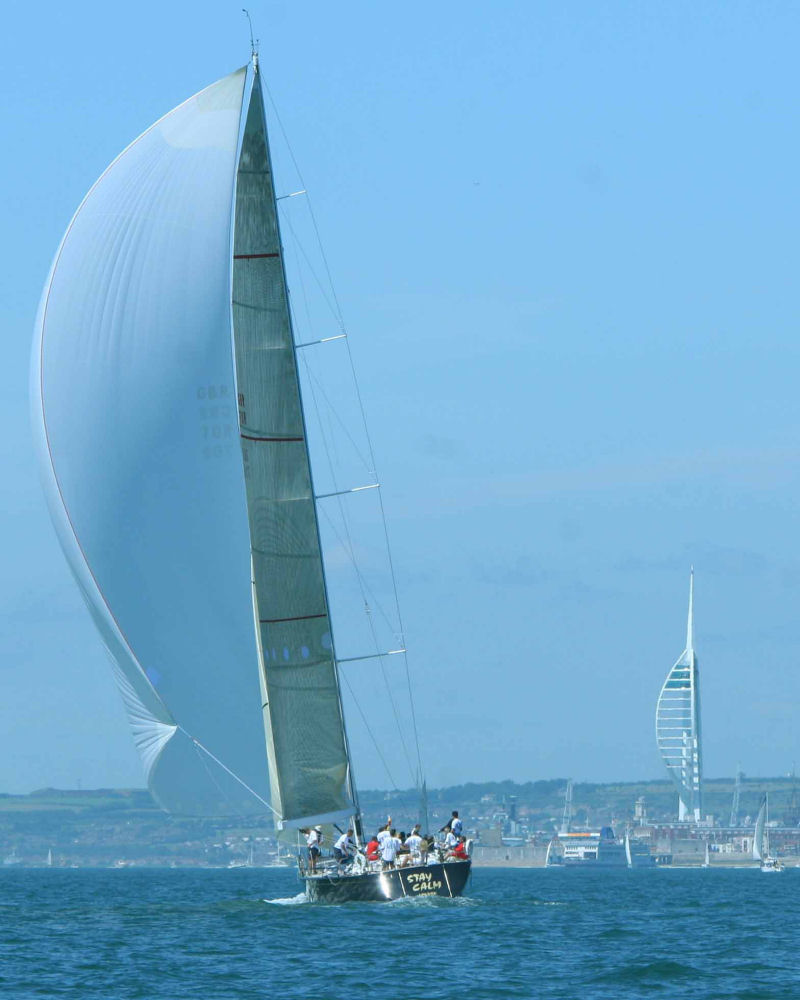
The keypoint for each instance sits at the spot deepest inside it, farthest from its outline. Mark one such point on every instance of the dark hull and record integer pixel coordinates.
(448, 879)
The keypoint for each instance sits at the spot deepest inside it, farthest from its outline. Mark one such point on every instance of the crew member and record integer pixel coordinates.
(344, 847)
(389, 848)
(454, 824)
(314, 843)
(460, 850)
(373, 848)
(414, 843)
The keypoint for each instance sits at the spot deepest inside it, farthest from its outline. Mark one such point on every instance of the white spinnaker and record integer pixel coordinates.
(135, 417)
(309, 770)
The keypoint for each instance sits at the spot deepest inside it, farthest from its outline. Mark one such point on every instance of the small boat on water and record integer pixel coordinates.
(166, 396)
(761, 852)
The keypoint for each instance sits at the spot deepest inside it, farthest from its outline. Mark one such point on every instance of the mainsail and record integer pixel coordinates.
(678, 724)
(308, 762)
(172, 530)
(760, 845)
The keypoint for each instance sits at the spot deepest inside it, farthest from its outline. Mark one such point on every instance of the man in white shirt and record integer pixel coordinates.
(390, 845)
(313, 841)
(344, 848)
(451, 841)
(413, 843)
(384, 832)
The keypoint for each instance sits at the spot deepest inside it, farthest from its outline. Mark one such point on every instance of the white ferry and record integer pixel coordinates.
(597, 848)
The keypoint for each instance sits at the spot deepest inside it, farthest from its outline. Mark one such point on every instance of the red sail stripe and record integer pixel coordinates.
(252, 437)
(300, 618)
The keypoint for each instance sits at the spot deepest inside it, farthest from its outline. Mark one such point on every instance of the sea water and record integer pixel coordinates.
(706, 934)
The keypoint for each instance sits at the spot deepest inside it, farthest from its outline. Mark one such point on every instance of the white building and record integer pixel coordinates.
(678, 726)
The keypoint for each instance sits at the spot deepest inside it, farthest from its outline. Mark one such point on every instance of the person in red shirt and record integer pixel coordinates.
(372, 849)
(460, 850)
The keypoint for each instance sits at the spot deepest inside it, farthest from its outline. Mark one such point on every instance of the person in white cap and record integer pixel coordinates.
(314, 843)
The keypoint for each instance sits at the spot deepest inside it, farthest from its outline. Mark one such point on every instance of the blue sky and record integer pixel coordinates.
(564, 237)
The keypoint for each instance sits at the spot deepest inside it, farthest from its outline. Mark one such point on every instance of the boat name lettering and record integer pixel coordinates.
(422, 882)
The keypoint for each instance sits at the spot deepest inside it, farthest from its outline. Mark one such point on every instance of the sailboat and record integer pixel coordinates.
(761, 840)
(167, 409)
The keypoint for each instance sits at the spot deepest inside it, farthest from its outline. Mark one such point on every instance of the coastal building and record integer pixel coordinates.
(678, 725)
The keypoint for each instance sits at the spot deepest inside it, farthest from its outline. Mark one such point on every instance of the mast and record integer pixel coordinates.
(311, 777)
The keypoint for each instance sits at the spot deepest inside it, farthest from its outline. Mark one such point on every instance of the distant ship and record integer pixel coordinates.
(597, 849)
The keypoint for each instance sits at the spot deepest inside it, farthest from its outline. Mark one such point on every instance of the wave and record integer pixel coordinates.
(297, 900)
(656, 972)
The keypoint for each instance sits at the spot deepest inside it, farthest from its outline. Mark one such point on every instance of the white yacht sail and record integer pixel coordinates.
(760, 845)
(308, 760)
(165, 302)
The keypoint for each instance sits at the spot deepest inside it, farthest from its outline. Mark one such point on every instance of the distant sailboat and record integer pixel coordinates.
(761, 840)
(176, 464)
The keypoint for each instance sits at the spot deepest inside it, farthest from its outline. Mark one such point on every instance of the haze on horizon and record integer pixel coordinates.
(565, 243)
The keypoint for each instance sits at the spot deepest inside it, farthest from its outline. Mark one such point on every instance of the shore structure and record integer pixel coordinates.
(678, 725)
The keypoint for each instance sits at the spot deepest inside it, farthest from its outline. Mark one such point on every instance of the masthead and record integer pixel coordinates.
(253, 44)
